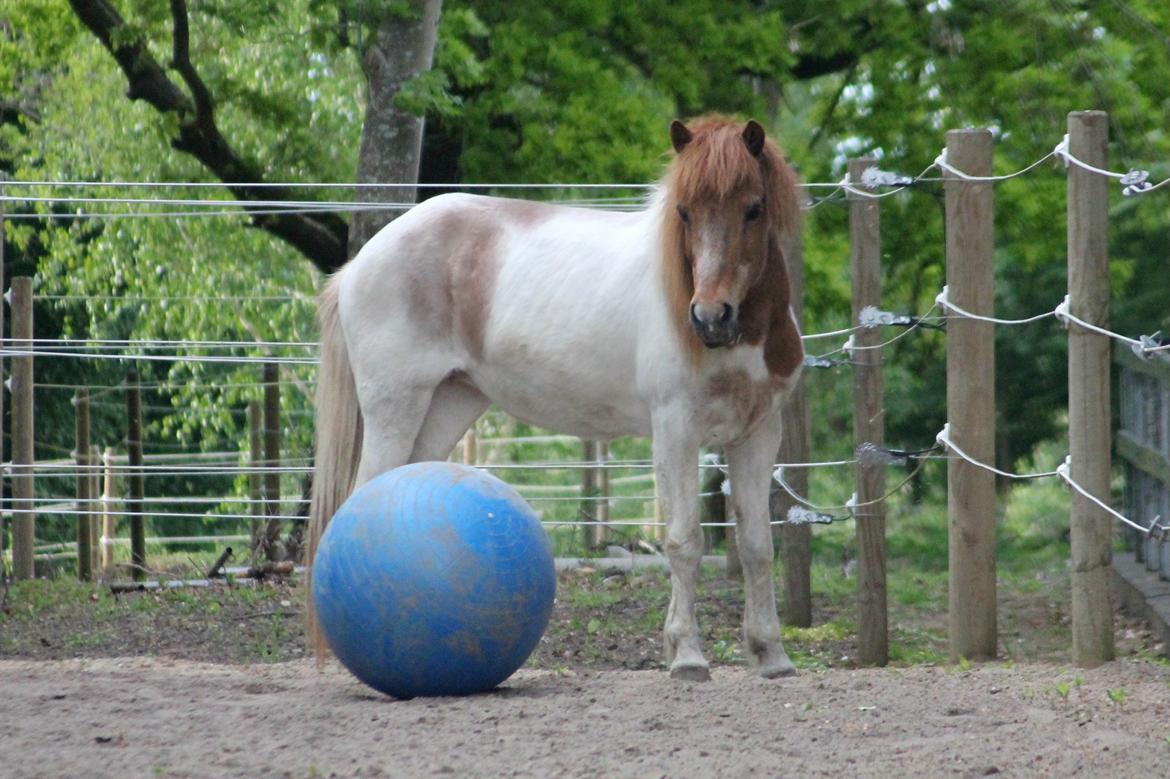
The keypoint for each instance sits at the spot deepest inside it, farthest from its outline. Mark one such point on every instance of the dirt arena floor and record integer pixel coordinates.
(159, 717)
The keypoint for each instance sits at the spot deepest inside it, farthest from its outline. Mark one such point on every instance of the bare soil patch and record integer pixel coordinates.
(215, 682)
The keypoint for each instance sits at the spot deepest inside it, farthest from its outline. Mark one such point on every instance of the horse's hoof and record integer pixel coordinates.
(777, 670)
(691, 673)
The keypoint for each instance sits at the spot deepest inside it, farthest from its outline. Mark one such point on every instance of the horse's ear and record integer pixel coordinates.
(753, 137)
(680, 136)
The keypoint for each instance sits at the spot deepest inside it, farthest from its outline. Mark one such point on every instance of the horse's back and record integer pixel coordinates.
(538, 305)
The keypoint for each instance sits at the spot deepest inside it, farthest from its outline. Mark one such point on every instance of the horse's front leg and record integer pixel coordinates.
(749, 465)
(676, 453)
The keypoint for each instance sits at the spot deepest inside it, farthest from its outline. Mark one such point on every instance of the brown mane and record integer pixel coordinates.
(713, 165)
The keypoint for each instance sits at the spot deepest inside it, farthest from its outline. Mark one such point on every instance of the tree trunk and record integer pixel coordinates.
(392, 138)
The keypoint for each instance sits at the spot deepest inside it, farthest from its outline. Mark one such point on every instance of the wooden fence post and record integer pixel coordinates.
(84, 480)
(1088, 389)
(109, 519)
(734, 570)
(272, 459)
(24, 519)
(795, 540)
(136, 481)
(471, 446)
(970, 238)
(95, 492)
(595, 493)
(587, 510)
(255, 477)
(869, 423)
(3, 535)
(601, 531)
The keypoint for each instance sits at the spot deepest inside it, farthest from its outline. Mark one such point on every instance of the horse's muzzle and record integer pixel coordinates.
(715, 325)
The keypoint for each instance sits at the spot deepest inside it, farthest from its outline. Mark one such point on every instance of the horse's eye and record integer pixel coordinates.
(684, 215)
(753, 213)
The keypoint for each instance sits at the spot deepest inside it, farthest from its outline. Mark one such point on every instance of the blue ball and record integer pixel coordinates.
(433, 579)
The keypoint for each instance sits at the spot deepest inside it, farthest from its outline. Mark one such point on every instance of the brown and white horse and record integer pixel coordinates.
(672, 322)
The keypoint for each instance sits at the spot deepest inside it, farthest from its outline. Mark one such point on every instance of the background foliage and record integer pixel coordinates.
(580, 91)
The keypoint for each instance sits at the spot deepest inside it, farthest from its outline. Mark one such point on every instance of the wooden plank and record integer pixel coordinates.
(970, 240)
(1088, 389)
(256, 477)
(271, 539)
(135, 479)
(1155, 366)
(868, 424)
(23, 522)
(84, 480)
(3, 534)
(109, 521)
(1141, 456)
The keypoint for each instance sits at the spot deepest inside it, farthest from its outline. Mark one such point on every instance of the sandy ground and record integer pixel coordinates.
(145, 717)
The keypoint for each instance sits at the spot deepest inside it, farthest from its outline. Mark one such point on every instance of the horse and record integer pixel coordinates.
(671, 322)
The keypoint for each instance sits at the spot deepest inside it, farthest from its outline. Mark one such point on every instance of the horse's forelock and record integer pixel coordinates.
(716, 163)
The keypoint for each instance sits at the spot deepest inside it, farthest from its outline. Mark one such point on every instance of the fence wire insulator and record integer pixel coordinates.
(1148, 344)
(799, 515)
(876, 177)
(1135, 182)
(872, 454)
(813, 361)
(871, 317)
(1156, 530)
(1062, 311)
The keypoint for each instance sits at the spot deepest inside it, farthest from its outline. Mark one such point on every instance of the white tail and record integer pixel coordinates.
(339, 441)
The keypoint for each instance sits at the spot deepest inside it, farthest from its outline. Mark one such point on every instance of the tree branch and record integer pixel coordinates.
(181, 61)
(321, 238)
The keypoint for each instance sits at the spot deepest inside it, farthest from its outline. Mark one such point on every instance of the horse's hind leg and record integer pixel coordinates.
(392, 417)
(412, 422)
(454, 407)
(750, 468)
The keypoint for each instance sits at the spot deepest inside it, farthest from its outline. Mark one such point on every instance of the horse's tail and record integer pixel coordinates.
(339, 441)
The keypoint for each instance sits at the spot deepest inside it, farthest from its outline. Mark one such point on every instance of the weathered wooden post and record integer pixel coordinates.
(109, 519)
(1088, 389)
(24, 517)
(272, 459)
(601, 530)
(795, 540)
(734, 569)
(587, 510)
(135, 477)
(95, 492)
(869, 422)
(595, 492)
(3, 535)
(84, 480)
(970, 234)
(255, 477)
(471, 446)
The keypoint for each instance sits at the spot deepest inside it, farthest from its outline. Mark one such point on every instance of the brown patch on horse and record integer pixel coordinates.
(717, 159)
(473, 266)
(765, 317)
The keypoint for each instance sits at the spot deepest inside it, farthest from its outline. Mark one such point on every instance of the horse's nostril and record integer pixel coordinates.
(695, 315)
(725, 316)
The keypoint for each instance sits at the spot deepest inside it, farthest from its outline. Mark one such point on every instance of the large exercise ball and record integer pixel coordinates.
(433, 579)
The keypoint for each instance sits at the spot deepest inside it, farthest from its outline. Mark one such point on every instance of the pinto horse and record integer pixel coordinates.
(672, 322)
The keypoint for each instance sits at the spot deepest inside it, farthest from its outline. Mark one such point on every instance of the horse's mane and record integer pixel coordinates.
(712, 166)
